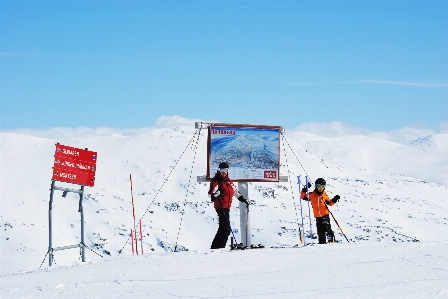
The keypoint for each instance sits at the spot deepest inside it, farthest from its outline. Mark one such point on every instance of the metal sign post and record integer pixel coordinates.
(244, 215)
(75, 166)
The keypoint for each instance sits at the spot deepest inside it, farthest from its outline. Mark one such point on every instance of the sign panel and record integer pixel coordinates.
(78, 165)
(75, 153)
(74, 165)
(64, 174)
(252, 152)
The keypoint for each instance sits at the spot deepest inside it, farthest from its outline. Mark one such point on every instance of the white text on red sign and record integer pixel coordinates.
(76, 165)
(270, 174)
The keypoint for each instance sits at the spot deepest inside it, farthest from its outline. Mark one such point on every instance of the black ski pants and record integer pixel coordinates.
(223, 232)
(324, 229)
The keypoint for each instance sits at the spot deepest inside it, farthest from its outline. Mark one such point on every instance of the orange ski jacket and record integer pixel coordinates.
(318, 202)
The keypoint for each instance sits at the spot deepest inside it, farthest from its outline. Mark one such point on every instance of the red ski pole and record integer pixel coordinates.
(141, 236)
(133, 214)
(132, 241)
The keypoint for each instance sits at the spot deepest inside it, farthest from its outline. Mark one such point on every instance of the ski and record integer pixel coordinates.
(240, 246)
(288, 246)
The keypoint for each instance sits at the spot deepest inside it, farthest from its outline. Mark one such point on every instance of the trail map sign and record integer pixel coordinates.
(74, 165)
(253, 152)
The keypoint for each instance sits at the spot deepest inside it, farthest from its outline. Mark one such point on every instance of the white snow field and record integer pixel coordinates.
(393, 210)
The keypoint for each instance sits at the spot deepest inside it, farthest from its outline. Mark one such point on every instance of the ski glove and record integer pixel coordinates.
(215, 195)
(242, 199)
(304, 188)
(335, 199)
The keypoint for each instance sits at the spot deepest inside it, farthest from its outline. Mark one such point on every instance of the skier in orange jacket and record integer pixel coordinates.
(319, 200)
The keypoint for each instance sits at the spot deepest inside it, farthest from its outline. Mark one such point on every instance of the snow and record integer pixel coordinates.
(337, 271)
(393, 209)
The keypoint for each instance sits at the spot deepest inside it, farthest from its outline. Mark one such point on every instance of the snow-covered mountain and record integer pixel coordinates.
(389, 193)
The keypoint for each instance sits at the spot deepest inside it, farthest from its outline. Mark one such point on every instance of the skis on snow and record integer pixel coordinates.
(240, 246)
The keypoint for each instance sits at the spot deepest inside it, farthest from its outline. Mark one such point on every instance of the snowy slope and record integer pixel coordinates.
(425, 158)
(392, 270)
(382, 203)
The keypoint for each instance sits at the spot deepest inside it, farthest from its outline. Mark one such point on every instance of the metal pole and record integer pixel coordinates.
(50, 236)
(244, 215)
(81, 210)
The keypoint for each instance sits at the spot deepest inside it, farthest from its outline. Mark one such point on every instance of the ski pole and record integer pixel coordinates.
(301, 212)
(133, 214)
(336, 222)
(132, 241)
(309, 209)
(141, 236)
(227, 220)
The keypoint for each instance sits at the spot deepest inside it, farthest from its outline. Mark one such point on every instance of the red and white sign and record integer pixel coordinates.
(75, 153)
(270, 174)
(74, 177)
(74, 165)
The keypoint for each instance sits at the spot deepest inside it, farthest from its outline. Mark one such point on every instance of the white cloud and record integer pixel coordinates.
(80, 132)
(176, 120)
(407, 83)
(404, 135)
(332, 129)
(443, 128)
(435, 84)
(65, 133)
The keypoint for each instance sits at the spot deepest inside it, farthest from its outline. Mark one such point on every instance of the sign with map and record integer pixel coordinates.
(252, 152)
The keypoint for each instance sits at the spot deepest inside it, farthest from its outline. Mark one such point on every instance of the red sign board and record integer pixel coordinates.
(74, 165)
(75, 153)
(63, 174)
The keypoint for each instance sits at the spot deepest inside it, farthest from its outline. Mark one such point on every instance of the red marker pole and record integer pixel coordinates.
(132, 241)
(141, 236)
(133, 214)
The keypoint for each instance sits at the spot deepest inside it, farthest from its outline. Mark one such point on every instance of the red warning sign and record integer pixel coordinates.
(74, 165)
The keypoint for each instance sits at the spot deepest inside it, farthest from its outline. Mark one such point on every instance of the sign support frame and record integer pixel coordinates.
(82, 245)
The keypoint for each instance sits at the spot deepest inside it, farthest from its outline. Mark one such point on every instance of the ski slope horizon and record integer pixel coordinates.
(403, 136)
(391, 194)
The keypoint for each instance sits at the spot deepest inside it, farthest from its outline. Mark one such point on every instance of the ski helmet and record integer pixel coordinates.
(223, 165)
(320, 181)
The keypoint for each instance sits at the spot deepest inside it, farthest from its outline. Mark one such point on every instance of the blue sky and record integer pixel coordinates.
(378, 65)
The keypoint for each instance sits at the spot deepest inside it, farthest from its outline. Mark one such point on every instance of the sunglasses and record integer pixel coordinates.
(224, 170)
(319, 186)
